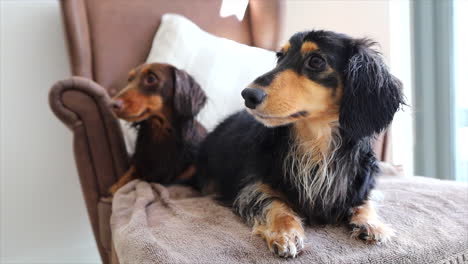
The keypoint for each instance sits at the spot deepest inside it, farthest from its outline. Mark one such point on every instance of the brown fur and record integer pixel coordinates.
(127, 177)
(188, 173)
(286, 47)
(308, 46)
(137, 105)
(316, 135)
(266, 189)
(367, 226)
(290, 93)
(161, 123)
(282, 229)
(314, 146)
(162, 102)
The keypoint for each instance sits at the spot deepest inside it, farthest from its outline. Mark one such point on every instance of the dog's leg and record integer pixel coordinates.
(272, 219)
(282, 230)
(187, 174)
(366, 225)
(127, 177)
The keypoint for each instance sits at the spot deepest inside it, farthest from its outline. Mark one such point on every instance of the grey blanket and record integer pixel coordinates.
(154, 224)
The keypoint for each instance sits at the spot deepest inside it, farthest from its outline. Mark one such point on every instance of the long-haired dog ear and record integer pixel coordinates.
(371, 95)
(189, 97)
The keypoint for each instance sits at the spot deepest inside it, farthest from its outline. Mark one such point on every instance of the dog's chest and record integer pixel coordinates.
(160, 158)
(324, 193)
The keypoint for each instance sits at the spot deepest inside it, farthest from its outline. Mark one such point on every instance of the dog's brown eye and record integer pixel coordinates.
(151, 78)
(316, 63)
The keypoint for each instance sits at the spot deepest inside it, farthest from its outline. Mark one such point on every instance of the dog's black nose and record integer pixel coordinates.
(253, 97)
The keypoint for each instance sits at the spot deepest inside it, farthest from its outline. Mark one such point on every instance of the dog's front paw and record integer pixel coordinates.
(285, 244)
(282, 230)
(374, 232)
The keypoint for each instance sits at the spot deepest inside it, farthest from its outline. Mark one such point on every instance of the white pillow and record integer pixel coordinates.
(221, 66)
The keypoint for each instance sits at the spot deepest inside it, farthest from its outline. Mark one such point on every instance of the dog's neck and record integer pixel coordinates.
(308, 165)
(156, 129)
(159, 150)
(315, 137)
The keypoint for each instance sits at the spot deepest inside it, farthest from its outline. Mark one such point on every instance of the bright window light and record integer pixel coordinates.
(234, 7)
(461, 91)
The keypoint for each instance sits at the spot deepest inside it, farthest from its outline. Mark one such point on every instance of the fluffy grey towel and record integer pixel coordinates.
(154, 224)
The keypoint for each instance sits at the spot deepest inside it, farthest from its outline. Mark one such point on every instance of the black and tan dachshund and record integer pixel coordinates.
(161, 101)
(302, 151)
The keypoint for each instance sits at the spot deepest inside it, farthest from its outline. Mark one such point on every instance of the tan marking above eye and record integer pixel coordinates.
(146, 69)
(308, 46)
(286, 47)
(131, 75)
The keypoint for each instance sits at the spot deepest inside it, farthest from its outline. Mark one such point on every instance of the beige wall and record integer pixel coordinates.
(42, 213)
(357, 18)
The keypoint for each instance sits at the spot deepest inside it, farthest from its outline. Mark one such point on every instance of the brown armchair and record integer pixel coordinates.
(107, 38)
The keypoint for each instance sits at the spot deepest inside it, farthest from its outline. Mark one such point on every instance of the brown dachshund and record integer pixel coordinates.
(161, 101)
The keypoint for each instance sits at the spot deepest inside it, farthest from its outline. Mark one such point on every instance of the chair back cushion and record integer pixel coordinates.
(109, 37)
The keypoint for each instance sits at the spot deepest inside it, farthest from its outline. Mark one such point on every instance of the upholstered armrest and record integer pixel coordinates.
(99, 149)
(82, 105)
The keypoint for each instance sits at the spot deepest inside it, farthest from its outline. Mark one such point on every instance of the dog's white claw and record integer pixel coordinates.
(372, 232)
(290, 246)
